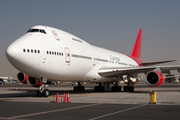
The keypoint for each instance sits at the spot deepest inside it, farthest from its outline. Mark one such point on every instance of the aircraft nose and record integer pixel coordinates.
(13, 53)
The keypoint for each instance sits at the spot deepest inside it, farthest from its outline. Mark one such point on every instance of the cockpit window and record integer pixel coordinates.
(36, 30)
(42, 31)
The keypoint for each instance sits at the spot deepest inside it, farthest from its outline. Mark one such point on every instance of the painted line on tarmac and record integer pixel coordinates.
(3, 118)
(123, 110)
(65, 109)
(52, 111)
(59, 110)
(118, 112)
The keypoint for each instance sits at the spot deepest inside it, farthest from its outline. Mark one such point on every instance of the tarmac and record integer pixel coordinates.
(23, 104)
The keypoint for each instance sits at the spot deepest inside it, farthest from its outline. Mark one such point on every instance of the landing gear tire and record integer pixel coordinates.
(79, 88)
(82, 88)
(45, 93)
(129, 89)
(39, 94)
(99, 88)
(125, 88)
(116, 88)
(75, 88)
(96, 88)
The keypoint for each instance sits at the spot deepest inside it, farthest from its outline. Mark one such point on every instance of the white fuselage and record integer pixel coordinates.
(58, 55)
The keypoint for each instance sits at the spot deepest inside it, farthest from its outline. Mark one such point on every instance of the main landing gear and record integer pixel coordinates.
(79, 88)
(116, 88)
(129, 87)
(99, 88)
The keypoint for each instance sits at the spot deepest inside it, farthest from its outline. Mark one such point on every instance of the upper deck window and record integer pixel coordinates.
(36, 30)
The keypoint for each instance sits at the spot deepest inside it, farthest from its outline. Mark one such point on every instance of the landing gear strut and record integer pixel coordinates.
(99, 88)
(79, 88)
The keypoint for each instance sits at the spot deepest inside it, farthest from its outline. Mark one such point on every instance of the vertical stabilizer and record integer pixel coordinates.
(137, 47)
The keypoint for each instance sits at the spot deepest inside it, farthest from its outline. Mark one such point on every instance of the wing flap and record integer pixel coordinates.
(166, 69)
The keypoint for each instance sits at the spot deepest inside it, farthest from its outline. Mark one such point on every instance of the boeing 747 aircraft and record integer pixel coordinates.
(49, 54)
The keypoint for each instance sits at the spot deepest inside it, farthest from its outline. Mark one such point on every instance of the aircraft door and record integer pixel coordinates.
(67, 55)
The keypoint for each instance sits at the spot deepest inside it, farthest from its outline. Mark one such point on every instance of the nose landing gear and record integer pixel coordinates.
(42, 91)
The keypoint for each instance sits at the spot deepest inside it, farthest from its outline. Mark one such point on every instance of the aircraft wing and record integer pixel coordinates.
(155, 62)
(115, 71)
(166, 69)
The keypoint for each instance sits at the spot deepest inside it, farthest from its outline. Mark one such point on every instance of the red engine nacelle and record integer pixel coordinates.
(22, 77)
(34, 82)
(154, 79)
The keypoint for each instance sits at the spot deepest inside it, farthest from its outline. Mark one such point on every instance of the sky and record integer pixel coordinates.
(111, 24)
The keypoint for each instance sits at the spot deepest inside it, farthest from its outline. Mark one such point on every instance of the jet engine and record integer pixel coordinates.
(154, 79)
(22, 77)
(34, 82)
